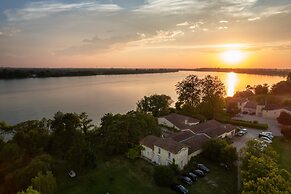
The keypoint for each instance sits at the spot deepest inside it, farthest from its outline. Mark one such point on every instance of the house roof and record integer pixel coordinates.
(251, 104)
(182, 135)
(181, 121)
(149, 141)
(212, 128)
(170, 145)
(195, 142)
(275, 106)
(164, 143)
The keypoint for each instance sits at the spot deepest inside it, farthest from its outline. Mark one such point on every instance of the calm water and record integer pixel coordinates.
(26, 99)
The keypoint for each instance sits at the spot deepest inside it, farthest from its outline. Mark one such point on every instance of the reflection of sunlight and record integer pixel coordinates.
(231, 82)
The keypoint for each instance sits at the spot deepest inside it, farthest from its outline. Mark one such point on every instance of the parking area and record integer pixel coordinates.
(240, 141)
(274, 126)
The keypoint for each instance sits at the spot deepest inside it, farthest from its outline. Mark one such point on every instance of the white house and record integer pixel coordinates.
(180, 147)
(178, 121)
(164, 151)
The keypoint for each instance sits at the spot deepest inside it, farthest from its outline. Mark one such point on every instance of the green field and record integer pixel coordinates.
(122, 176)
(283, 148)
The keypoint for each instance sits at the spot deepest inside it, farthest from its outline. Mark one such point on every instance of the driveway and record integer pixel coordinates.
(274, 126)
(239, 142)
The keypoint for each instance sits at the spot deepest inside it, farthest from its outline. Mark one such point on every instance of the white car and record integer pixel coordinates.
(266, 140)
(269, 134)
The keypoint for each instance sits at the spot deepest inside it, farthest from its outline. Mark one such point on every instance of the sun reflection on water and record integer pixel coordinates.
(231, 82)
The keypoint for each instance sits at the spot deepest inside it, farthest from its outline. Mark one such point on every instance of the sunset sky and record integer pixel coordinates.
(145, 33)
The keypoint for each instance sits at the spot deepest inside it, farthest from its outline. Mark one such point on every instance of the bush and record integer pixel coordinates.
(244, 123)
(164, 176)
(286, 131)
(218, 150)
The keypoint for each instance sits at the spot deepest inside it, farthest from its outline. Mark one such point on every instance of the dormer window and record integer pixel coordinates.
(169, 155)
(159, 150)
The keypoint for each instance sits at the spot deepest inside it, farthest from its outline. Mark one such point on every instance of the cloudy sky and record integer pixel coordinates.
(144, 33)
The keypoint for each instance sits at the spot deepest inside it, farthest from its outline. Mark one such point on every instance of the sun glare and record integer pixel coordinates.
(232, 57)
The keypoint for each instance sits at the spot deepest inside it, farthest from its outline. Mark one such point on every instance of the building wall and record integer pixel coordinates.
(194, 154)
(274, 113)
(164, 157)
(229, 134)
(163, 121)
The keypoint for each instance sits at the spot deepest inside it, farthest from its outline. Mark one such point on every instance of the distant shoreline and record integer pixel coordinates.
(270, 72)
(23, 73)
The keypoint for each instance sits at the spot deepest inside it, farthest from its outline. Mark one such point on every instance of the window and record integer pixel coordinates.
(169, 155)
(159, 150)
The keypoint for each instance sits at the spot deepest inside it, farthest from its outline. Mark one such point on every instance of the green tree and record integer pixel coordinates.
(45, 183)
(85, 122)
(164, 176)
(33, 136)
(232, 108)
(261, 89)
(29, 190)
(205, 94)
(189, 90)
(134, 152)
(38, 164)
(11, 152)
(284, 118)
(158, 105)
(220, 151)
(121, 132)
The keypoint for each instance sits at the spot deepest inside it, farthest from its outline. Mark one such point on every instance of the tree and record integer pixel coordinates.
(121, 132)
(29, 190)
(38, 164)
(164, 176)
(205, 94)
(44, 183)
(286, 131)
(134, 152)
(282, 87)
(189, 91)
(232, 108)
(33, 136)
(220, 151)
(261, 89)
(284, 118)
(85, 122)
(244, 94)
(158, 105)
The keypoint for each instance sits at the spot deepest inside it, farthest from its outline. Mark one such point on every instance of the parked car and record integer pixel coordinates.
(199, 173)
(267, 134)
(186, 180)
(180, 188)
(266, 140)
(192, 176)
(263, 135)
(203, 168)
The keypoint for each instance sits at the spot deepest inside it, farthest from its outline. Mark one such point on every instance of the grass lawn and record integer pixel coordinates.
(218, 181)
(117, 176)
(121, 176)
(283, 148)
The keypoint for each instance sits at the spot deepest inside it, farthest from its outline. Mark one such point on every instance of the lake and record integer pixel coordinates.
(35, 98)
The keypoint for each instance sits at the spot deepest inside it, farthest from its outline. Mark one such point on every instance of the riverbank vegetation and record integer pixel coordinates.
(20, 73)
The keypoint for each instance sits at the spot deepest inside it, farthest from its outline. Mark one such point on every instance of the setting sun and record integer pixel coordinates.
(232, 56)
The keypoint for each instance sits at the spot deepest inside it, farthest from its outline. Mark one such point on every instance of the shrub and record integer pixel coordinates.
(286, 131)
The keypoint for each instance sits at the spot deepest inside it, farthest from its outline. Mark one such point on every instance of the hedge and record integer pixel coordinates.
(242, 123)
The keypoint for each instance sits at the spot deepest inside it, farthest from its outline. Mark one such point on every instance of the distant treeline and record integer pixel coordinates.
(19, 73)
(272, 72)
